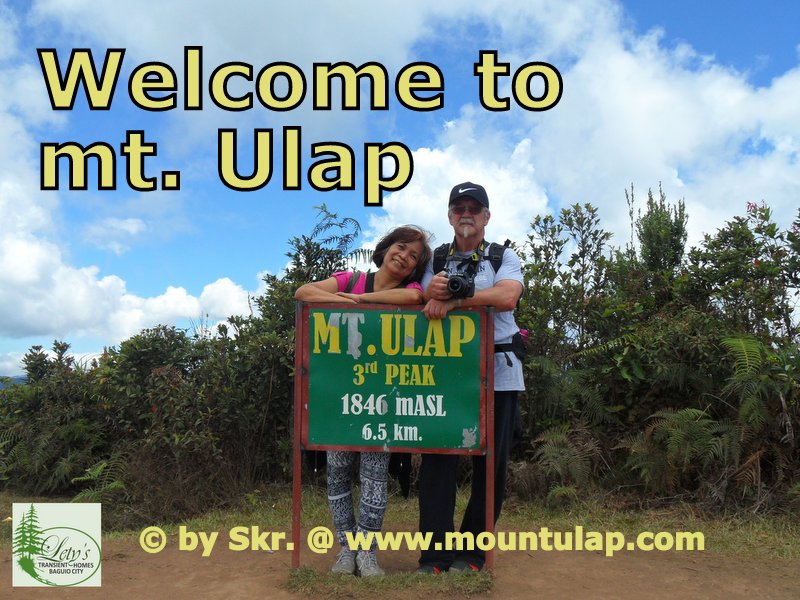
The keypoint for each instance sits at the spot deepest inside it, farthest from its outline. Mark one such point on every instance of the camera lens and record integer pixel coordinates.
(461, 286)
(456, 285)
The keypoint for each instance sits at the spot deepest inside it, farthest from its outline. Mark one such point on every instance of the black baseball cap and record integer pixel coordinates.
(469, 190)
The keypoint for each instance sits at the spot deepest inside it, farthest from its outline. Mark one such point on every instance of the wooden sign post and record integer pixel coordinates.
(379, 377)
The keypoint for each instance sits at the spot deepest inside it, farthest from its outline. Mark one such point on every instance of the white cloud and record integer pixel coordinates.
(23, 95)
(510, 181)
(130, 314)
(115, 234)
(22, 210)
(8, 33)
(11, 364)
(47, 297)
(42, 294)
(247, 30)
(634, 111)
(224, 298)
(133, 313)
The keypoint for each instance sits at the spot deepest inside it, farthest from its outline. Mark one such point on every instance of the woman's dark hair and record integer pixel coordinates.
(405, 234)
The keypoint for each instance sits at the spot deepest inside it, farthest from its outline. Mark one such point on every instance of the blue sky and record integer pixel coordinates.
(700, 97)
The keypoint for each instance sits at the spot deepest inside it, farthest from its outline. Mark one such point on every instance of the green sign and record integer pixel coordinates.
(385, 377)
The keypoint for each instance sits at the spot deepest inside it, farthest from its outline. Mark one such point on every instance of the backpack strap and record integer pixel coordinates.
(369, 284)
(440, 258)
(351, 283)
(495, 254)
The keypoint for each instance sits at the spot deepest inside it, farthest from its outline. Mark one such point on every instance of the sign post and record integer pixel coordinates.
(377, 377)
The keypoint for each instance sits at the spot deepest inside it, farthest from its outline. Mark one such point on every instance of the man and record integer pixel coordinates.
(501, 288)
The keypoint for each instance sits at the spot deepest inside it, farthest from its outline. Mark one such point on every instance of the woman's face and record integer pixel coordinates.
(401, 258)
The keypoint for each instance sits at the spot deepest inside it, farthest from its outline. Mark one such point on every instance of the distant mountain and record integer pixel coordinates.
(4, 381)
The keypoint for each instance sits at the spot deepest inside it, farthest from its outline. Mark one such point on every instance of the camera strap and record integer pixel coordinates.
(470, 263)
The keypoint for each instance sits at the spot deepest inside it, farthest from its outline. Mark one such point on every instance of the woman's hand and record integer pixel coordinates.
(354, 298)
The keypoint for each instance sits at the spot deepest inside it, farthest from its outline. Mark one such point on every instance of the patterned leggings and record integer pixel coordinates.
(374, 473)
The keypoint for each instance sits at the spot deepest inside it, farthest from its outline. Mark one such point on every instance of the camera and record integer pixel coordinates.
(461, 286)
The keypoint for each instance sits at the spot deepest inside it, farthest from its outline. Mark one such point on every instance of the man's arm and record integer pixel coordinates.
(502, 296)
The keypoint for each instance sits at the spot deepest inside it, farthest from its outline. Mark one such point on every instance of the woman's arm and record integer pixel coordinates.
(322, 291)
(409, 295)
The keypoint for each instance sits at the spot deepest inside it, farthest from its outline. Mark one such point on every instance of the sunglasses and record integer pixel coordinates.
(460, 210)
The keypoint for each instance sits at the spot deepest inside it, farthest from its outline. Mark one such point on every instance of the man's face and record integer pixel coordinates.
(468, 217)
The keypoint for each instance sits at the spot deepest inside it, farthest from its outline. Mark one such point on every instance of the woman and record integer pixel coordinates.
(401, 257)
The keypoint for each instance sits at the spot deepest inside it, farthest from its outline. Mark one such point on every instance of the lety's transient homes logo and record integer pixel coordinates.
(56, 544)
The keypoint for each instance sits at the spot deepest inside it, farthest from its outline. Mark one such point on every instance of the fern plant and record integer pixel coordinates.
(766, 386)
(678, 447)
(105, 478)
(560, 495)
(566, 456)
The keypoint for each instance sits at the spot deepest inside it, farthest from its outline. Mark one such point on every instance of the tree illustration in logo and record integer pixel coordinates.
(27, 542)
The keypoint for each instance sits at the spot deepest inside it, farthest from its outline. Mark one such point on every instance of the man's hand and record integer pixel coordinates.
(438, 309)
(437, 288)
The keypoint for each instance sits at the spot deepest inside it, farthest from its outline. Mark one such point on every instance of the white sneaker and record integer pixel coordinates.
(345, 563)
(367, 563)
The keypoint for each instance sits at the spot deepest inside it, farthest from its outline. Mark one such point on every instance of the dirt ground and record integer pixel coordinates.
(129, 572)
